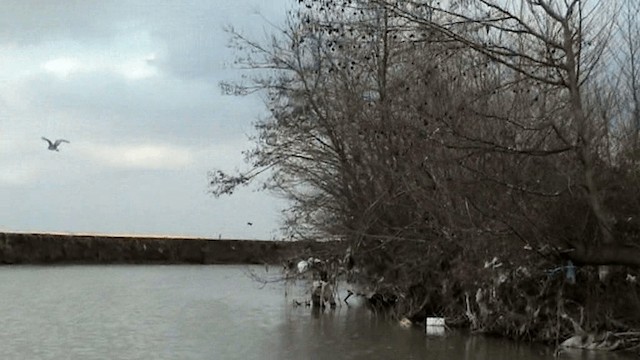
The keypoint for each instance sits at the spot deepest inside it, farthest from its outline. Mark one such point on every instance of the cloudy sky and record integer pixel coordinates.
(133, 85)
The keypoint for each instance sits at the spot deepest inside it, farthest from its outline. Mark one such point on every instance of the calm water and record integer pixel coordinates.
(205, 312)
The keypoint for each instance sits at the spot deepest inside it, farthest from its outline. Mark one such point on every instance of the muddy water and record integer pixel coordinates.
(206, 312)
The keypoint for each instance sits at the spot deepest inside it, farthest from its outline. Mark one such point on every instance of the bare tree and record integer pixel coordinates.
(552, 50)
(628, 61)
(330, 66)
(433, 138)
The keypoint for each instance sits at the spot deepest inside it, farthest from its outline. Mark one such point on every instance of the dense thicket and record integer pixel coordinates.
(435, 138)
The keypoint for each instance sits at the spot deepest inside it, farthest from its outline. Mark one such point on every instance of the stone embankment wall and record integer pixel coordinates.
(37, 248)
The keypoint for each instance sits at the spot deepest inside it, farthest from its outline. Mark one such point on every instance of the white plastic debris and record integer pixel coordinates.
(435, 326)
(405, 323)
(494, 263)
(435, 321)
(303, 266)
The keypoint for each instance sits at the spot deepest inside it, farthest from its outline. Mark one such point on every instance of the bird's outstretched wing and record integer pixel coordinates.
(59, 141)
(47, 140)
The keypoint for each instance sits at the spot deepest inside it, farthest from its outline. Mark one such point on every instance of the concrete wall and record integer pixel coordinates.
(36, 248)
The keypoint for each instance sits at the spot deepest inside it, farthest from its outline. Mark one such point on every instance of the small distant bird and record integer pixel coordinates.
(250, 223)
(53, 146)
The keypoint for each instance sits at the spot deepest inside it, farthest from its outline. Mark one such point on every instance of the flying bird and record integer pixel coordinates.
(53, 146)
(250, 223)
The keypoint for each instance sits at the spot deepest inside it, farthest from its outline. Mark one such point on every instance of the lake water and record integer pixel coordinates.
(207, 312)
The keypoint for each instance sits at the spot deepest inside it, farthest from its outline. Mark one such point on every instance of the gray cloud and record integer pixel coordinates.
(202, 34)
(31, 22)
(192, 30)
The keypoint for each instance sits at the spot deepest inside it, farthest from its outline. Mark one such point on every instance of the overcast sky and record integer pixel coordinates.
(133, 85)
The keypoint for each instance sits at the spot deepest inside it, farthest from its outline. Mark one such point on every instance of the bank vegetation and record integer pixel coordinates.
(480, 158)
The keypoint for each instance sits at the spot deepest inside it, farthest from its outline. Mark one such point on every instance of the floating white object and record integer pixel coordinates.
(435, 321)
(405, 323)
(435, 326)
(303, 266)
